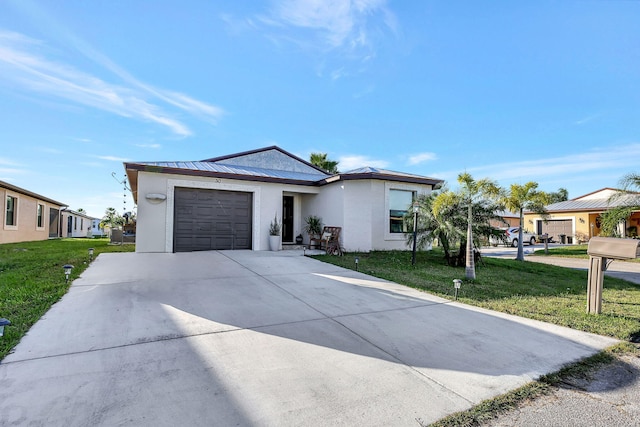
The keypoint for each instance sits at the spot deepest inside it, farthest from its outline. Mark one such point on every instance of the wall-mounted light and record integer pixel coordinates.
(581, 220)
(3, 322)
(155, 197)
(67, 271)
(456, 285)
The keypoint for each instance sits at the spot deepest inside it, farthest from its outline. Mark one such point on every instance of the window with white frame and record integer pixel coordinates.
(399, 202)
(40, 216)
(11, 211)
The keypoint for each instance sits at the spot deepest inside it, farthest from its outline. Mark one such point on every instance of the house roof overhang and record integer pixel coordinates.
(31, 194)
(132, 170)
(289, 169)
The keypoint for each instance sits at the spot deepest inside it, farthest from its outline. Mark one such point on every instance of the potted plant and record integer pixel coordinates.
(274, 234)
(313, 227)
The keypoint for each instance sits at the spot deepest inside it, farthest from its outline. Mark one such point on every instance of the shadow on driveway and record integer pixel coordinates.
(264, 338)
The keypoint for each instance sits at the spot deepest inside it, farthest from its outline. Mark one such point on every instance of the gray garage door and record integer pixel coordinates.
(556, 227)
(211, 220)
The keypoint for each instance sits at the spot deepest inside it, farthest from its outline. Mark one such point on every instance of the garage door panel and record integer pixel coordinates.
(557, 227)
(212, 220)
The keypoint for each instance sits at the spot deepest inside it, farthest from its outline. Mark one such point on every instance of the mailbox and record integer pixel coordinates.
(611, 247)
(600, 250)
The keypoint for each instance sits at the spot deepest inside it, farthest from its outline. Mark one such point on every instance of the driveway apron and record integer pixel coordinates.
(267, 339)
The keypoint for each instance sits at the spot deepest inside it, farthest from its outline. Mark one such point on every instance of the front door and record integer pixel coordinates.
(287, 219)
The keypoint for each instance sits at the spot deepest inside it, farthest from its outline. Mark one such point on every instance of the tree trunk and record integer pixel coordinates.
(470, 268)
(520, 255)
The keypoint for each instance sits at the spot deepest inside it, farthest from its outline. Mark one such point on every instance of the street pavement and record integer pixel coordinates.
(265, 339)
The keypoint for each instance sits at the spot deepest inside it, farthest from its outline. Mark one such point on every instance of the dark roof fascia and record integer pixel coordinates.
(260, 150)
(382, 177)
(31, 194)
(189, 172)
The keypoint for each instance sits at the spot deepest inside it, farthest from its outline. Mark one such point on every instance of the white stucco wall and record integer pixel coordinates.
(361, 208)
(155, 217)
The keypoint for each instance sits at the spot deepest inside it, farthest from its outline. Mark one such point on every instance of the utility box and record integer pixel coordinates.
(600, 250)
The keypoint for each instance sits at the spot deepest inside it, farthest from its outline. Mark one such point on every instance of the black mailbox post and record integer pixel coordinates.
(600, 250)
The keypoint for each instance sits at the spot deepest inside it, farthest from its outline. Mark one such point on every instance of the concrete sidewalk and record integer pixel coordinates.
(629, 271)
(265, 338)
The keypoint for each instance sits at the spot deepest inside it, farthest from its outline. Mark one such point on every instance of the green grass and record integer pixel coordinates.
(528, 289)
(32, 279)
(572, 251)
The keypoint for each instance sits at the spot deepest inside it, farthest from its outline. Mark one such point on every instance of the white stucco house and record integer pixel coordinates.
(76, 224)
(228, 202)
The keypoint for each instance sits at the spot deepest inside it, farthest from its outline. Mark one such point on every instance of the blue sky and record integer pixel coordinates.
(547, 91)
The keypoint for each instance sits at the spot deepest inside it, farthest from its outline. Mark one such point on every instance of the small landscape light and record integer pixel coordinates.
(304, 251)
(67, 271)
(456, 285)
(3, 323)
(90, 254)
(357, 261)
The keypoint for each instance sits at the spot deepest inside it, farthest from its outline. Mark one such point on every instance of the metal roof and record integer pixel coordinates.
(211, 167)
(270, 164)
(594, 204)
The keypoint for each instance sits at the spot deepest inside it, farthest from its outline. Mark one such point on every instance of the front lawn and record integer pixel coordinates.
(32, 279)
(571, 251)
(528, 289)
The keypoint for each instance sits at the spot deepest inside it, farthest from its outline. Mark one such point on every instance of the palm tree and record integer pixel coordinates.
(627, 200)
(524, 197)
(631, 183)
(320, 160)
(471, 191)
(443, 216)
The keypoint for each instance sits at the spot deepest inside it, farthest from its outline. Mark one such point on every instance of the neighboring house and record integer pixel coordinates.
(510, 220)
(27, 216)
(228, 202)
(76, 224)
(579, 219)
(96, 230)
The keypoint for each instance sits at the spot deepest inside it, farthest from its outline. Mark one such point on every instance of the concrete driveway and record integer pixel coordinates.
(265, 338)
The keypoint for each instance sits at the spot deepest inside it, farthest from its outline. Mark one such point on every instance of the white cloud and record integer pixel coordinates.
(350, 27)
(580, 167)
(154, 146)
(113, 158)
(347, 163)
(32, 72)
(8, 162)
(12, 171)
(416, 159)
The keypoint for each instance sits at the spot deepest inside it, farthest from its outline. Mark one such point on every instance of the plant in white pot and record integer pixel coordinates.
(274, 234)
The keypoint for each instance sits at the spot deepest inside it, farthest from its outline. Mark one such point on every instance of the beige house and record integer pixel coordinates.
(28, 216)
(579, 219)
(229, 202)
